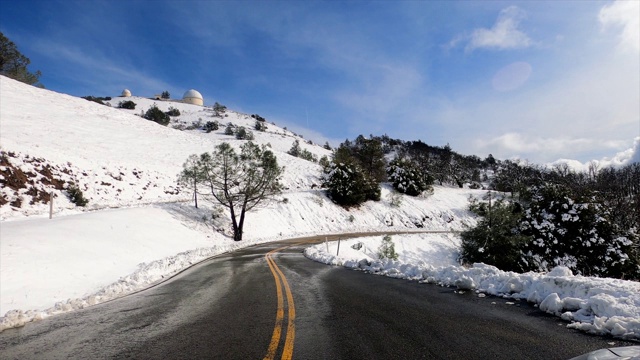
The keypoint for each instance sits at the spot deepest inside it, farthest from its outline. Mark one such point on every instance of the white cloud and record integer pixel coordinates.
(622, 158)
(522, 144)
(624, 15)
(503, 35)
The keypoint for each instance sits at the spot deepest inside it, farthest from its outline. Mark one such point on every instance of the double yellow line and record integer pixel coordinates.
(281, 281)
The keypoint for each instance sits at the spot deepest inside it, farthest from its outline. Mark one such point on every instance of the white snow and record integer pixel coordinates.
(140, 227)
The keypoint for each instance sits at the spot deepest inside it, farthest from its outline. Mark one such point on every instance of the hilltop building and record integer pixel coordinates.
(193, 97)
(126, 93)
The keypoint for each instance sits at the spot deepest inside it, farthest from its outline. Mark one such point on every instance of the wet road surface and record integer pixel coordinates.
(270, 302)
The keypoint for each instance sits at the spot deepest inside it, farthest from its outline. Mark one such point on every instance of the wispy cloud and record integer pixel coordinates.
(504, 34)
(523, 144)
(99, 71)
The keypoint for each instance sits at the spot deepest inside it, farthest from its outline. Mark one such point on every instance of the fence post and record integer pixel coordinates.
(338, 253)
(326, 243)
(51, 205)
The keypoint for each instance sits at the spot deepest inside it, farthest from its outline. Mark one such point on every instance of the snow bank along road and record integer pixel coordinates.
(269, 301)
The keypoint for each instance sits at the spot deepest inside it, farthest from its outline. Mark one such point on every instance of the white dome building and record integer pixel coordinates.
(126, 93)
(193, 97)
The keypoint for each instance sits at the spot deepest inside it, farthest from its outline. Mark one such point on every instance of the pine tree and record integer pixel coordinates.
(14, 65)
(240, 182)
(387, 249)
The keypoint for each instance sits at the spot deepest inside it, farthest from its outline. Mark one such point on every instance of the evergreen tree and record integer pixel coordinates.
(13, 64)
(240, 182)
(494, 240)
(387, 249)
(191, 175)
(348, 185)
(295, 149)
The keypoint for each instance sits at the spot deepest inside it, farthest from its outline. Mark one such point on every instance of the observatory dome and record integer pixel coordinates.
(193, 97)
(126, 93)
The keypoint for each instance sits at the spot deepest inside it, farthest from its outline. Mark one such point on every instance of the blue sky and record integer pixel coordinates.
(539, 80)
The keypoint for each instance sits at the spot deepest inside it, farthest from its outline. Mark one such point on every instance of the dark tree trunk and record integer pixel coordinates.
(241, 224)
(195, 191)
(237, 230)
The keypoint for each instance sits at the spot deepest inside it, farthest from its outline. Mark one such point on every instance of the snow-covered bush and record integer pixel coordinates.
(576, 232)
(348, 185)
(408, 178)
(553, 226)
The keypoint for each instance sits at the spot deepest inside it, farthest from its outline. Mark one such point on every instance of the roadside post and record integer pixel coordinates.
(338, 253)
(51, 205)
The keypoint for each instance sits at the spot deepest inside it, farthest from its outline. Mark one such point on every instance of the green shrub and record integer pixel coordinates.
(229, 129)
(76, 196)
(211, 126)
(308, 155)
(494, 240)
(243, 134)
(156, 115)
(95, 99)
(258, 117)
(218, 110)
(127, 105)
(387, 249)
(260, 126)
(324, 162)
(173, 111)
(295, 149)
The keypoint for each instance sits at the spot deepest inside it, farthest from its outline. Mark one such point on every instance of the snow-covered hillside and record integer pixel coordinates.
(115, 157)
(87, 255)
(119, 159)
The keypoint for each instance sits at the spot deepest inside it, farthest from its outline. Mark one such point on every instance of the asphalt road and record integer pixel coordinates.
(270, 302)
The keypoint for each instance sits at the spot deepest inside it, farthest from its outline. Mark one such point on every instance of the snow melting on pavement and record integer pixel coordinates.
(596, 305)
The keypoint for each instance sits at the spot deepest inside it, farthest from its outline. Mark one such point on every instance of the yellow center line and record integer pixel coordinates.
(277, 330)
(287, 351)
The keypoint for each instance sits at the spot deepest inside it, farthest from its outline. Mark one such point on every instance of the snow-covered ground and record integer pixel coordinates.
(141, 227)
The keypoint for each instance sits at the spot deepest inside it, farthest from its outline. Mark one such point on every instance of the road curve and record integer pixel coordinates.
(269, 302)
